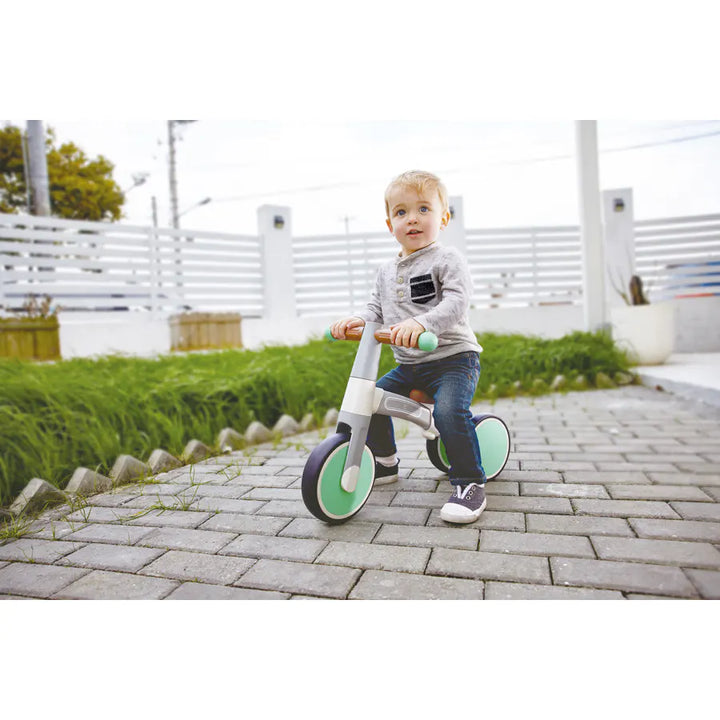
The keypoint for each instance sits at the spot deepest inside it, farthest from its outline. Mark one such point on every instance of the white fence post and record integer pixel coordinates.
(454, 234)
(275, 230)
(619, 231)
(590, 225)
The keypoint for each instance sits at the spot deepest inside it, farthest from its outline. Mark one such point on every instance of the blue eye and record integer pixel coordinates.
(424, 209)
(400, 212)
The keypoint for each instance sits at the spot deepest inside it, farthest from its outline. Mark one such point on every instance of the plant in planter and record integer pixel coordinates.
(645, 331)
(34, 333)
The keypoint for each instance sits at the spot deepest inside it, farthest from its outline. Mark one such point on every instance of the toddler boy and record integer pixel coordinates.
(427, 287)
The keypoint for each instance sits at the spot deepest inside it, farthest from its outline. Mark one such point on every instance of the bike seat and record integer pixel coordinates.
(421, 396)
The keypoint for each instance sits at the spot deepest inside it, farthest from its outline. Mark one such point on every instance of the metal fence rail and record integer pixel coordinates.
(679, 257)
(336, 273)
(108, 266)
(102, 266)
(515, 267)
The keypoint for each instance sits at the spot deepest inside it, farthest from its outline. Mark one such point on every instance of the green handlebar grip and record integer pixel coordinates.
(328, 335)
(427, 341)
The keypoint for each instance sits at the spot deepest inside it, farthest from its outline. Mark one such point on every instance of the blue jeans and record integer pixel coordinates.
(451, 382)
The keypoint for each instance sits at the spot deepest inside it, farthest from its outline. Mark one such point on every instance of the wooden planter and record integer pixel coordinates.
(200, 331)
(30, 338)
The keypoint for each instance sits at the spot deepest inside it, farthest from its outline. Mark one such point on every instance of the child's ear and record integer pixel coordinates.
(389, 224)
(445, 220)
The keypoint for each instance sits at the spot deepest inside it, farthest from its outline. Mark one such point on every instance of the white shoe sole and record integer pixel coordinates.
(454, 513)
(385, 480)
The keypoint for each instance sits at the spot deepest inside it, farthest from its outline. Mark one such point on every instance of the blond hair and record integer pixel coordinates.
(420, 181)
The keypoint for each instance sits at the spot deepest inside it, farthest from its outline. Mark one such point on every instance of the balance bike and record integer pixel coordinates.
(339, 474)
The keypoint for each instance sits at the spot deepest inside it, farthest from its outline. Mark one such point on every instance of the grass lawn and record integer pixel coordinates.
(56, 417)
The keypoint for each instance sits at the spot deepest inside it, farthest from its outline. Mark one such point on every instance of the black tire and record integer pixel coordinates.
(321, 491)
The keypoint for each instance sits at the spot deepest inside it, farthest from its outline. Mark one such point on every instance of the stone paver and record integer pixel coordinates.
(489, 566)
(375, 557)
(36, 580)
(31, 550)
(707, 582)
(116, 586)
(238, 523)
(302, 578)
(280, 548)
(624, 576)
(110, 557)
(382, 585)
(186, 539)
(607, 495)
(520, 591)
(203, 591)
(117, 534)
(662, 552)
(200, 567)
(536, 544)
(676, 529)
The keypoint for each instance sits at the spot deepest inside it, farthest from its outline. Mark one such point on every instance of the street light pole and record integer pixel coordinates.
(175, 218)
(205, 201)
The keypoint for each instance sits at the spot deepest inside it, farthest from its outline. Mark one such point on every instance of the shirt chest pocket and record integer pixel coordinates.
(422, 289)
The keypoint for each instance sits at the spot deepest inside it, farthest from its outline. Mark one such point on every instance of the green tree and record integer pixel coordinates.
(81, 188)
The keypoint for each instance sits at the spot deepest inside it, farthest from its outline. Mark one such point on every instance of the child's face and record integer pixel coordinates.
(415, 220)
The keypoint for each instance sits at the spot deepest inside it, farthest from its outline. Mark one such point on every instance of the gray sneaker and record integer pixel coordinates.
(465, 504)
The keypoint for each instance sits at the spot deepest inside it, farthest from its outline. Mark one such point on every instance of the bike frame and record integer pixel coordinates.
(363, 399)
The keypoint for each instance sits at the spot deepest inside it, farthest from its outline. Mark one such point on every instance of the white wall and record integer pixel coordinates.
(697, 328)
(124, 333)
(697, 324)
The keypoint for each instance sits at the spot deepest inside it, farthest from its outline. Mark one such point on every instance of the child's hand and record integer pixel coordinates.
(406, 333)
(338, 328)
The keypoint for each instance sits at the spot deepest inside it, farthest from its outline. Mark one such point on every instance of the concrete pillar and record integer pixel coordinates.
(275, 230)
(593, 264)
(454, 233)
(619, 226)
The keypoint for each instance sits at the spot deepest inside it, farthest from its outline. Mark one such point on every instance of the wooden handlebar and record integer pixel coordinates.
(427, 340)
(382, 335)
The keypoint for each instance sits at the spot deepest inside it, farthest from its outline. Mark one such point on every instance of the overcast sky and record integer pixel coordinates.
(315, 107)
(333, 173)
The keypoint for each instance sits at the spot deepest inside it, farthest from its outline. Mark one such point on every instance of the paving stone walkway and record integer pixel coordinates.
(611, 494)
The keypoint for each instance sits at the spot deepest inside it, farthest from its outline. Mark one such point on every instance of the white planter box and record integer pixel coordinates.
(646, 332)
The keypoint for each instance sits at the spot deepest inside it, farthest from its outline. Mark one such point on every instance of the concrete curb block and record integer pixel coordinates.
(162, 461)
(229, 439)
(128, 468)
(331, 417)
(87, 482)
(308, 423)
(195, 451)
(286, 425)
(37, 495)
(257, 433)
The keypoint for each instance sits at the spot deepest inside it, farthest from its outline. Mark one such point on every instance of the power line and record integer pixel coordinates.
(526, 161)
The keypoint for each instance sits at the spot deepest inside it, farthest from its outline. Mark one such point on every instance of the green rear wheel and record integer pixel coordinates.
(494, 441)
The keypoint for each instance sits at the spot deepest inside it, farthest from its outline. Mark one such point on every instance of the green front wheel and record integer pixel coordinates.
(322, 492)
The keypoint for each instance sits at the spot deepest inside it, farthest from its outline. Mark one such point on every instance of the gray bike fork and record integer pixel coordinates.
(357, 405)
(362, 399)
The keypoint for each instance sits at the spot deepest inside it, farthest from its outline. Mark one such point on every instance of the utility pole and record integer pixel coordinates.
(37, 161)
(174, 219)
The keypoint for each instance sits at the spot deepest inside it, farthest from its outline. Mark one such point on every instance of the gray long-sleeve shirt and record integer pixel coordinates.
(433, 286)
